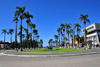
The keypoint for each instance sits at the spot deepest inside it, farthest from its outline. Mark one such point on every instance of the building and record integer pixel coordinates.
(81, 40)
(6, 45)
(93, 34)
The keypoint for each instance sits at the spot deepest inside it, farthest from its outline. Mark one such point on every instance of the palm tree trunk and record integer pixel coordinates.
(11, 38)
(59, 39)
(31, 38)
(85, 35)
(4, 41)
(21, 35)
(16, 36)
(74, 40)
(26, 41)
(33, 42)
(68, 36)
(20, 41)
(65, 31)
(68, 40)
(27, 37)
(78, 37)
(23, 42)
(64, 36)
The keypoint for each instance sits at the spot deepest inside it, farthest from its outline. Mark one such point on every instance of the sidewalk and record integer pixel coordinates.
(20, 54)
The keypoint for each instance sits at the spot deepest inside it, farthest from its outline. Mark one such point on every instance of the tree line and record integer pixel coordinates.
(21, 14)
(67, 31)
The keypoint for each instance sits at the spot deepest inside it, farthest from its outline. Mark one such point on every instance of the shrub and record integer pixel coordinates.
(49, 47)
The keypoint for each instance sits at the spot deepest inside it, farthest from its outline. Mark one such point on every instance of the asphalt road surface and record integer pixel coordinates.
(71, 61)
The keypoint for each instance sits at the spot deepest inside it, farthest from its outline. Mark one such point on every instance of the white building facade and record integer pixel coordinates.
(6, 45)
(93, 34)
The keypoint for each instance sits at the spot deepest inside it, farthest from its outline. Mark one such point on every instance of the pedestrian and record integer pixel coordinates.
(17, 49)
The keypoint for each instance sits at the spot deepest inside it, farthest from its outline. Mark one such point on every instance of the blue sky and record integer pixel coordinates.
(48, 15)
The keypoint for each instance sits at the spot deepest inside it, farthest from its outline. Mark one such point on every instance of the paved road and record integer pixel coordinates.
(1, 51)
(72, 61)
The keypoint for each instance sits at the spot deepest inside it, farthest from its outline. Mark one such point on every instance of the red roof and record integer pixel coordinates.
(5, 43)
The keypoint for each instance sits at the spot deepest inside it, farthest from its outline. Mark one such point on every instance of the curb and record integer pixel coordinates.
(65, 55)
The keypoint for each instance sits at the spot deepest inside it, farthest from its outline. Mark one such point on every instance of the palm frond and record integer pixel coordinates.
(17, 13)
(15, 19)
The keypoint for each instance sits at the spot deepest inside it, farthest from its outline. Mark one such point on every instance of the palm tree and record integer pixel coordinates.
(56, 38)
(62, 38)
(19, 33)
(77, 26)
(4, 31)
(25, 29)
(23, 36)
(50, 42)
(65, 28)
(68, 26)
(16, 20)
(78, 29)
(72, 39)
(21, 27)
(30, 38)
(41, 42)
(35, 32)
(28, 16)
(31, 25)
(84, 19)
(71, 32)
(53, 43)
(62, 30)
(59, 30)
(68, 32)
(65, 40)
(20, 12)
(10, 32)
(85, 31)
(38, 36)
(62, 26)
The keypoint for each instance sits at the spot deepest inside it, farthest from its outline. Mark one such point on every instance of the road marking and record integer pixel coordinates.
(1, 53)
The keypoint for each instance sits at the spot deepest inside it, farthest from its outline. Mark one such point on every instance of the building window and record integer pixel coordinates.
(90, 28)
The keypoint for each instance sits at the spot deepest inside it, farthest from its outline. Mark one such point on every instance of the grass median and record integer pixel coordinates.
(44, 50)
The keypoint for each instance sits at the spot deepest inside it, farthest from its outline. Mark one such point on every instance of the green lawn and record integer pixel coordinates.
(1, 49)
(43, 50)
